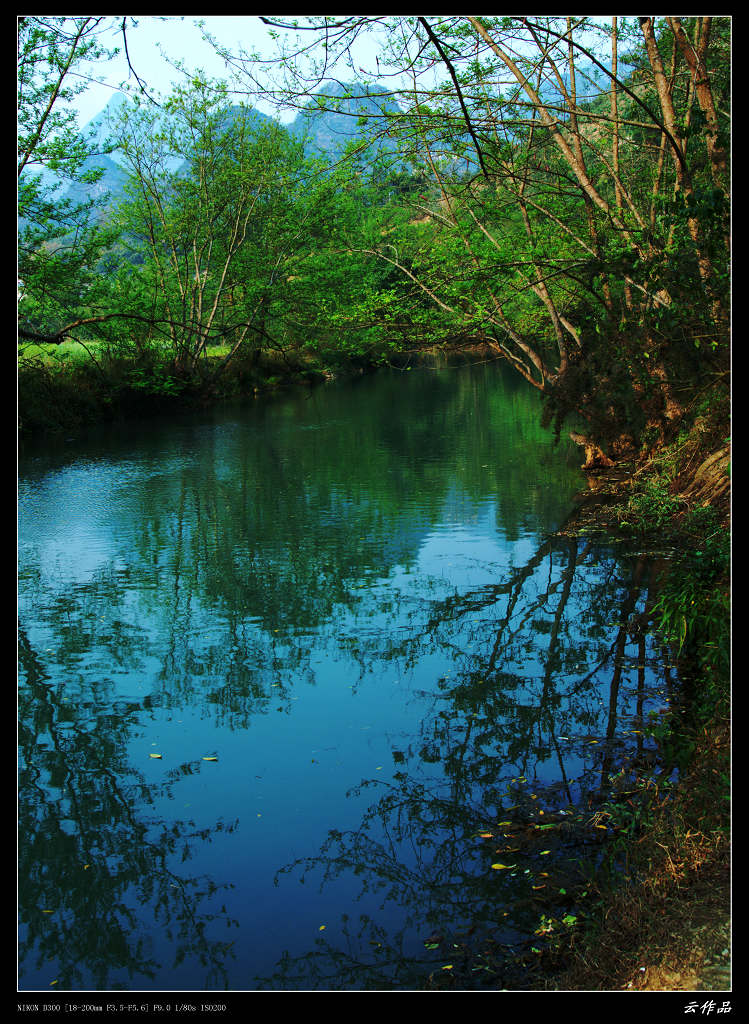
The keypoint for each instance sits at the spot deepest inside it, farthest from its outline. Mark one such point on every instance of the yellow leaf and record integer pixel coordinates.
(503, 867)
(447, 967)
(486, 835)
(544, 852)
(322, 927)
(155, 755)
(210, 759)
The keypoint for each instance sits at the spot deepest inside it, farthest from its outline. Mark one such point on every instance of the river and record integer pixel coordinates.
(308, 686)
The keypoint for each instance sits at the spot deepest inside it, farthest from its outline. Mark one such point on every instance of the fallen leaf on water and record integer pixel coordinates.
(210, 759)
(486, 835)
(155, 755)
(503, 867)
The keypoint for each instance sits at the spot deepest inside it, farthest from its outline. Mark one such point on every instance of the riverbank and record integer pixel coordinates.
(665, 923)
(68, 388)
(657, 915)
(64, 391)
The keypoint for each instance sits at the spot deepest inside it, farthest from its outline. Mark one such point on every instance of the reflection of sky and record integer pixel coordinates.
(70, 517)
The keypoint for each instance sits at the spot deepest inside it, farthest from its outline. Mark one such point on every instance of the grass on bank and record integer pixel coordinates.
(65, 387)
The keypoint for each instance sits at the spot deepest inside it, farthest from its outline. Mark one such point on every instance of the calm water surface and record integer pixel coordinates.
(294, 675)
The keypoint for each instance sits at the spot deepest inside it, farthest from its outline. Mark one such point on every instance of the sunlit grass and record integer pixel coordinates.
(69, 352)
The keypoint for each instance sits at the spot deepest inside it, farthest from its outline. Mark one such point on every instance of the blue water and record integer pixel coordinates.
(283, 664)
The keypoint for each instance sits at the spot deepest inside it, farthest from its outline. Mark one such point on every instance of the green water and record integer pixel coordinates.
(282, 664)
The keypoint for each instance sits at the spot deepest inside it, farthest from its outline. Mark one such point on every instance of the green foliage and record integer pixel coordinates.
(157, 381)
(693, 606)
(464, 213)
(58, 248)
(651, 509)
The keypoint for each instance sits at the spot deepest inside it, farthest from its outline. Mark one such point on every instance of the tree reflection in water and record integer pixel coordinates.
(90, 855)
(531, 735)
(249, 580)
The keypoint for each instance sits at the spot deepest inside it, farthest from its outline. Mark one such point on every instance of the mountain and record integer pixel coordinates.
(342, 113)
(332, 118)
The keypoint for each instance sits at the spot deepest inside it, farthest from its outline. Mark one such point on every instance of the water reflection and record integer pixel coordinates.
(93, 854)
(368, 623)
(529, 733)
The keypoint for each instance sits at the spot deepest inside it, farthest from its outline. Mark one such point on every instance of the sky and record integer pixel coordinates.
(156, 41)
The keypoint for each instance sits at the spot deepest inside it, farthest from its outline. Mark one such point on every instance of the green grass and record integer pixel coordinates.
(69, 352)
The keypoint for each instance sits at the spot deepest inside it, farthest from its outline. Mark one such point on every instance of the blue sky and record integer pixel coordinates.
(155, 41)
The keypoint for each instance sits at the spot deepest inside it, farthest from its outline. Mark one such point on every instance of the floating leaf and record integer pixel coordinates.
(322, 927)
(544, 852)
(158, 756)
(486, 835)
(210, 759)
(503, 867)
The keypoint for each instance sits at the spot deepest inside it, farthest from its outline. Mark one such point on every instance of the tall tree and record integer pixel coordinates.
(56, 245)
(213, 220)
(578, 205)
